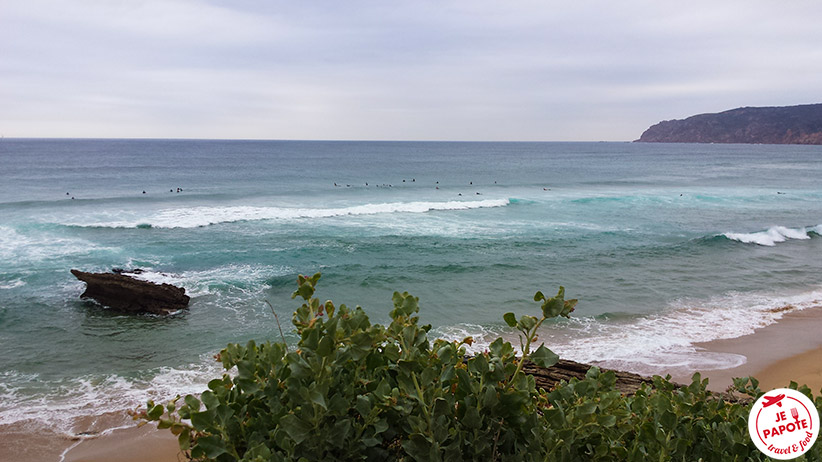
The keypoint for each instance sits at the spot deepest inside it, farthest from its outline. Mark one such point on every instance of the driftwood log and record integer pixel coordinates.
(627, 383)
(548, 377)
(124, 293)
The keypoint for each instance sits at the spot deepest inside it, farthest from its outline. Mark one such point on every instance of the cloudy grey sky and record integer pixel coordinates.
(406, 70)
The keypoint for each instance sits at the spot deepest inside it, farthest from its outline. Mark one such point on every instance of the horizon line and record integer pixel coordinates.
(79, 138)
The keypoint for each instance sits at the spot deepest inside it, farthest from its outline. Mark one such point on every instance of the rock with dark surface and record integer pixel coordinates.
(123, 293)
(752, 125)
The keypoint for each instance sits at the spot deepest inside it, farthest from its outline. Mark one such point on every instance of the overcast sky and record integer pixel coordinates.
(396, 70)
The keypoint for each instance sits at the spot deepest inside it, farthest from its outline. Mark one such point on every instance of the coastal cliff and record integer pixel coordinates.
(763, 125)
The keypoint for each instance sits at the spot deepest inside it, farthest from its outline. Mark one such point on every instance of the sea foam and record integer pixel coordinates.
(58, 404)
(194, 217)
(247, 278)
(659, 343)
(773, 235)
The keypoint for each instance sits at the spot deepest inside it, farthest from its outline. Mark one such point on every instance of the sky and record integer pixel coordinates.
(470, 70)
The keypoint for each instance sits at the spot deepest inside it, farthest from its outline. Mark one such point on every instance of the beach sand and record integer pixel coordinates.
(110, 438)
(790, 349)
(144, 444)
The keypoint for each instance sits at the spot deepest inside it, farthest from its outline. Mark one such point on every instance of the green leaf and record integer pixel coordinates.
(339, 432)
(210, 400)
(668, 420)
(539, 296)
(569, 307)
(363, 406)
(212, 446)
(510, 319)
(587, 408)
(527, 322)
(326, 345)
(184, 440)
(204, 420)
(383, 390)
(296, 428)
(305, 291)
(472, 418)
(192, 402)
(607, 420)
(380, 426)
(418, 447)
(552, 307)
(447, 374)
(155, 412)
(544, 357)
(317, 397)
(216, 384)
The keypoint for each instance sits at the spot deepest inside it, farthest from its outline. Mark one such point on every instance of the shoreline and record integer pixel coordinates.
(110, 437)
(788, 350)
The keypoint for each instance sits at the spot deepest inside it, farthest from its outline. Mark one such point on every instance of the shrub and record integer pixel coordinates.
(357, 391)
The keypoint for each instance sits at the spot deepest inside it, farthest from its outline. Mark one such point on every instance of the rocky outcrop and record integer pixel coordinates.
(752, 125)
(121, 292)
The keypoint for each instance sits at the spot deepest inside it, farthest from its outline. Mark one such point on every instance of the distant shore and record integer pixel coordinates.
(790, 349)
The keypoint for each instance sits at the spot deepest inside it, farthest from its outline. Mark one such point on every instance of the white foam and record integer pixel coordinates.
(773, 235)
(16, 247)
(59, 404)
(482, 335)
(203, 216)
(658, 343)
(246, 278)
(12, 284)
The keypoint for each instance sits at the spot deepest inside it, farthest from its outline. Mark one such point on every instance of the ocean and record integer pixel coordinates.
(665, 246)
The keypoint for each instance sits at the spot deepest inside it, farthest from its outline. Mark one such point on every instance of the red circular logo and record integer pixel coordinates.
(783, 423)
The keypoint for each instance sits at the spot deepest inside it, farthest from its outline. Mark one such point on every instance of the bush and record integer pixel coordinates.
(357, 391)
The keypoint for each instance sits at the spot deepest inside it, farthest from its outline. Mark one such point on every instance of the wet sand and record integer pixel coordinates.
(110, 438)
(790, 349)
(144, 444)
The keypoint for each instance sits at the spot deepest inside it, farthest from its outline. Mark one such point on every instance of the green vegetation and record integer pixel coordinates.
(357, 391)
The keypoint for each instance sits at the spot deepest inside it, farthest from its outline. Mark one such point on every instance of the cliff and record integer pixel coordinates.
(765, 125)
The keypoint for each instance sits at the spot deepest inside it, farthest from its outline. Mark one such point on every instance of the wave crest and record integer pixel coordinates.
(195, 217)
(773, 235)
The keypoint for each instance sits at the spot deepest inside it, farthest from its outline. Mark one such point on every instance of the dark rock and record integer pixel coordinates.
(124, 293)
(752, 125)
(125, 271)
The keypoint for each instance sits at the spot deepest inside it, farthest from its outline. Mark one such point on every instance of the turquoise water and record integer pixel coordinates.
(665, 246)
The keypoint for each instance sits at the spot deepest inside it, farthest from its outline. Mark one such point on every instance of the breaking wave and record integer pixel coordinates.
(659, 343)
(774, 235)
(203, 216)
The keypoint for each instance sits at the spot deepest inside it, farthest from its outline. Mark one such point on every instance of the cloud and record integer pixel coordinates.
(522, 70)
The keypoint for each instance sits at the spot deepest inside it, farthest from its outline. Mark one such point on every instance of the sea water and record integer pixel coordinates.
(665, 245)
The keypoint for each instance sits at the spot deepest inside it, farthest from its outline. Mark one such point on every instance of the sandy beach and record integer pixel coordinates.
(108, 438)
(790, 349)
